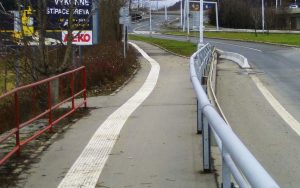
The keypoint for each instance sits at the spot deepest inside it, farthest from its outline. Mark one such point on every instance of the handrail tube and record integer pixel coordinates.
(240, 180)
(18, 125)
(41, 82)
(252, 169)
(11, 153)
(13, 131)
(22, 125)
(48, 110)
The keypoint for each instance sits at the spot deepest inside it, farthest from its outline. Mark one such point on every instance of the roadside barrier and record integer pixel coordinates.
(235, 57)
(29, 103)
(237, 161)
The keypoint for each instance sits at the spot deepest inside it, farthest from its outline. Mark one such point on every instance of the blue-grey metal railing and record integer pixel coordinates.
(236, 158)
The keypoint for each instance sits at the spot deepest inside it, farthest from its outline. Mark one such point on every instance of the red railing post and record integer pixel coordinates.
(84, 86)
(72, 91)
(17, 119)
(19, 124)
(34, 97)
(49, 105)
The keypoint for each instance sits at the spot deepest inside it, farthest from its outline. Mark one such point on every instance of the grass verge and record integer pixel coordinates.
(276, 38)
(178, 47)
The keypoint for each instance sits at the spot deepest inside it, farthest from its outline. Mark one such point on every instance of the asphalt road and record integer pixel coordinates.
(280, 66)
(264, 132)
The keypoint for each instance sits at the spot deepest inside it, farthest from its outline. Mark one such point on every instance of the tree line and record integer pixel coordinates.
(247, 14)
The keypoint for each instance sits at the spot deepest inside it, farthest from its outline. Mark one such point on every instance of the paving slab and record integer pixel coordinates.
(158, 145)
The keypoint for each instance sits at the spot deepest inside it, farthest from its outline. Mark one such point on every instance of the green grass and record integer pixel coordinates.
(178, 47)
(289, 39)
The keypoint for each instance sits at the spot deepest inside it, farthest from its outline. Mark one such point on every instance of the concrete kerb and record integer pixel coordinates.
(235, 57)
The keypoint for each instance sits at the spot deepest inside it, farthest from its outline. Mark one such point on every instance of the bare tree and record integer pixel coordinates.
(256, 18)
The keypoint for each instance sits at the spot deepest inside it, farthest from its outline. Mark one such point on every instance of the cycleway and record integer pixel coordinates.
(157, 146)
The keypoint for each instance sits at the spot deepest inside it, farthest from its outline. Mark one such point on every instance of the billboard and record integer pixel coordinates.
(24, 23)
(79, 37)
(195, 6)
(58, 12)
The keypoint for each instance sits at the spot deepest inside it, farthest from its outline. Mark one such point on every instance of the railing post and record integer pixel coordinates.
(84, 86)
(226, 175)
(72, 91)
(206, 146)
(17, 111)
(49, 105)
(199, 118)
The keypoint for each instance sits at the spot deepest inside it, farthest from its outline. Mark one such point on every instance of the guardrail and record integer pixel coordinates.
(42, 98)
(236, 158)
(235, 57)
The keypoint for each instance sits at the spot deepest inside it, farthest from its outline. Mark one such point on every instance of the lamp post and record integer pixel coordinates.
(166, 14)
(150, 20)
(184, 17)
(201, 23)
(188, 19)
(263, 15)
(181, 13)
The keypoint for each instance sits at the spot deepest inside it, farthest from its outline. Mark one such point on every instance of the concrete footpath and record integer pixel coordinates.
(157, 146)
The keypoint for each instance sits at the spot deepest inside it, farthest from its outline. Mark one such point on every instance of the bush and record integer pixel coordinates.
(109, 66)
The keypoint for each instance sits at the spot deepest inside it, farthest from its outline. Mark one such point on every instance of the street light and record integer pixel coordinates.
(263, 15)
(166, 14)
(150, 20)
(201, 23)
(181, 13)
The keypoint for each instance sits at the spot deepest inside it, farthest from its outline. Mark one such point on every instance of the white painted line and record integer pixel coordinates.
(283, 113)
(89, 165)
(254, 49)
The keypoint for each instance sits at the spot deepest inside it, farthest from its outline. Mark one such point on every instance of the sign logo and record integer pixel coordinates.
(79, 37)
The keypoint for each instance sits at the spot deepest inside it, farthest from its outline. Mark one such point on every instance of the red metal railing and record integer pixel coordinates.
(14, 94)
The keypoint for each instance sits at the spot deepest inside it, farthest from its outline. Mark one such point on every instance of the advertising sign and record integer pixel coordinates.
(195, 6)
(58, 17)
(58, 12)
(79, 37)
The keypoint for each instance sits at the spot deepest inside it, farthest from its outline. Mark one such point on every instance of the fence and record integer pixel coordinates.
(27, 104)
(236, 158)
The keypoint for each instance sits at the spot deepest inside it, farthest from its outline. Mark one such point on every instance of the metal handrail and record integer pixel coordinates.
(15, 132)
(250, 168)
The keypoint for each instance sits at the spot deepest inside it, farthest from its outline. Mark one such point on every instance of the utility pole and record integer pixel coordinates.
(217, 16)
(188, 19)
(184, 17)
(263, 15)
(166, 14)
(201, 23)
(181, 17)
(150, 20)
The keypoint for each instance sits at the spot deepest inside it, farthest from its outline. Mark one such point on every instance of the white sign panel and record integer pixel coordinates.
(79, 37)
(125, 20)
(124, 11)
